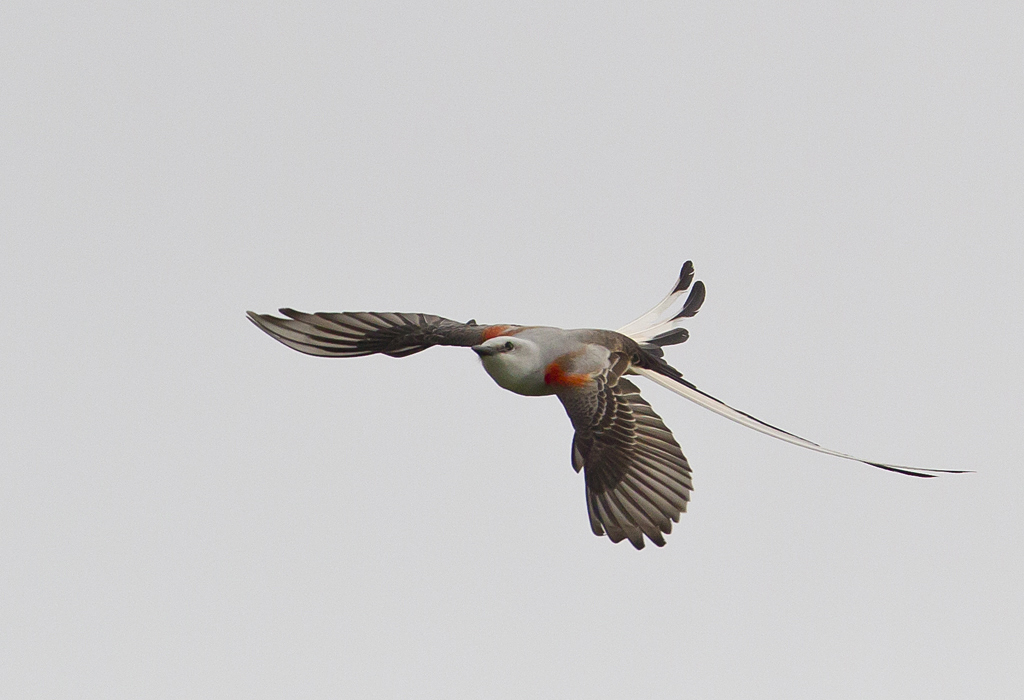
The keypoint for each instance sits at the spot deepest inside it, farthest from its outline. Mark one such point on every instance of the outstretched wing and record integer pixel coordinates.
(366, 333)
(638, 481)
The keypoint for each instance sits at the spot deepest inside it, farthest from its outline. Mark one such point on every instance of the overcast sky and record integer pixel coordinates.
(191, 510)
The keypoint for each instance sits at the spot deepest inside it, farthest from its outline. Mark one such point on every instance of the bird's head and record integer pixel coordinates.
(514, 363)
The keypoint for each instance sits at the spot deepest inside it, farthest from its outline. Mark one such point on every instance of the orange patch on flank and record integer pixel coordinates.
(494, 331)
(554, 374)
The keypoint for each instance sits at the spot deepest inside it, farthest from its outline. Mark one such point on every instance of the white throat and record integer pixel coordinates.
(520, 370)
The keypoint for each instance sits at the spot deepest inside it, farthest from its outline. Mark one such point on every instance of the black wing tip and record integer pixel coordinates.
(639, 542)
(260, 320)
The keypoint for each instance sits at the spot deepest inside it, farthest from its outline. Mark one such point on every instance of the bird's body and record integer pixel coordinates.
(637, 480)
(540, 360)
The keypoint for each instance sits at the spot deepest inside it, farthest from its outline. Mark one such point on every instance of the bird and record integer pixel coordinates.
(637, 480)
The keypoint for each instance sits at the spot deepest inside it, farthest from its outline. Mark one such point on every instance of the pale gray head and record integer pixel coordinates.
(515, 364)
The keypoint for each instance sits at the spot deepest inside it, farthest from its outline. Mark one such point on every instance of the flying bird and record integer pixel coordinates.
(637, 480)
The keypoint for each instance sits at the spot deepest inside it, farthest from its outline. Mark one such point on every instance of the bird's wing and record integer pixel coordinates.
(637, 479)
(366, 333)
(689, 391)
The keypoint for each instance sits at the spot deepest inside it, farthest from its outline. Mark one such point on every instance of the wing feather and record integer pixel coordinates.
(354, 334)
(637, 479)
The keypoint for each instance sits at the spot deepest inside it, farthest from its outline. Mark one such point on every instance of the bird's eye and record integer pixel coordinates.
(508, 345)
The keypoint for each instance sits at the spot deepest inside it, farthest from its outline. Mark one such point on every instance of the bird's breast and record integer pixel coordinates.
(524, 381)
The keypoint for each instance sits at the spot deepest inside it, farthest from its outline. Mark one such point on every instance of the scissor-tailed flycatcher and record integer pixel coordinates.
(637, 479)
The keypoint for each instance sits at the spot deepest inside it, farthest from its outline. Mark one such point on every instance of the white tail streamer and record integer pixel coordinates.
(709, 402)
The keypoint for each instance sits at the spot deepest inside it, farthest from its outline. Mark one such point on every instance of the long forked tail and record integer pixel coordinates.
(687, 390)
(661, 325)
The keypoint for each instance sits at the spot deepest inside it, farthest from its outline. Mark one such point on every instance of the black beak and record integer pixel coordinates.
(485, 350)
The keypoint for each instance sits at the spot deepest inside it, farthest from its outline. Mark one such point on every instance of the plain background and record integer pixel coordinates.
(191, 510)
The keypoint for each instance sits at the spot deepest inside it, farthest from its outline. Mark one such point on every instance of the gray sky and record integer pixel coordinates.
(188, 509)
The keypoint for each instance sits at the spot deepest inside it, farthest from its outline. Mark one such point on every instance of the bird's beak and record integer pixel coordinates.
(485, 350)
